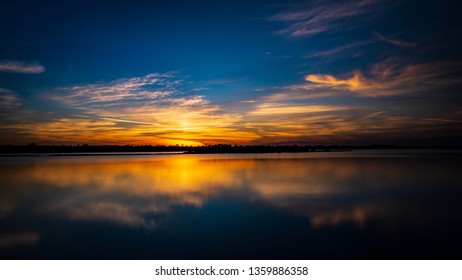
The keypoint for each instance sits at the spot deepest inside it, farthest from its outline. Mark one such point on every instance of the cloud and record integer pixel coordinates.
(353, 83)
(352, 107)
(153, 109)
(15, 66)
(373, 115)
(321, 16)
(8, 99)
(393, 77)
(113, 212)
(284, 121)
(162, 109)
(273, 109)
(13, 112)
(142, 89)
(337, 50)
(394, 41)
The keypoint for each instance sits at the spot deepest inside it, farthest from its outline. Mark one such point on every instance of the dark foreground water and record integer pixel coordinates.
(342, 205)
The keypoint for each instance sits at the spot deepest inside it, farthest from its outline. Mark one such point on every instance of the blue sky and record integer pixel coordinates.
(239, 72)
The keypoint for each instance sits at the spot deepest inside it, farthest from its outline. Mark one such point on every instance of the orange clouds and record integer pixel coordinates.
(151, 109)
(353, 83)
(273, 109)
(156, 109)
(393, 77)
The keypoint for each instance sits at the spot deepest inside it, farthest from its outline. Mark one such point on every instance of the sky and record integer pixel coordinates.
(232, 72)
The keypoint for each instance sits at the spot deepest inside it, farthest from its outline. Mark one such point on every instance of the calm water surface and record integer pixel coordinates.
(338, 205)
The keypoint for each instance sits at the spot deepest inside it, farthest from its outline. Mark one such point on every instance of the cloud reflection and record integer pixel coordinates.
(133, 192)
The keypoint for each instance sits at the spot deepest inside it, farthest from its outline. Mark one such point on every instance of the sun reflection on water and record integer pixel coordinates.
(124, 191)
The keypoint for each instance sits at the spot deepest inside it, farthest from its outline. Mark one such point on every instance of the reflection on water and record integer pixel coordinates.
(323, 205)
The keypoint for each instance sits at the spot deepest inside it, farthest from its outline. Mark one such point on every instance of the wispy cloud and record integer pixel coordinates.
(152, 109)
(393, 77)
(273, 109)
(354, 106)
(353, 83)
(321, 16)
(142, 89)
(394, 41)
(338, 50)
(15, 66)
(161, 109)
(285, 122)
(8, 99)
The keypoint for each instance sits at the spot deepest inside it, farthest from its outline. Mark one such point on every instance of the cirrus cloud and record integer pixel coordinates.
(8, 99)
(321, 16)
(394, 41)
(15, 66)
(393, 77)
(157, 108)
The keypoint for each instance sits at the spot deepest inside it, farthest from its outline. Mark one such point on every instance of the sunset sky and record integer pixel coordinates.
(237, 72)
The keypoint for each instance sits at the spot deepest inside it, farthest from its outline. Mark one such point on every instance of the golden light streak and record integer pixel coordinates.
(288, 109)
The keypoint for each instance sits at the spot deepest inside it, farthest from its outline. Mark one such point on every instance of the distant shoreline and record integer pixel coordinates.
(116, 150)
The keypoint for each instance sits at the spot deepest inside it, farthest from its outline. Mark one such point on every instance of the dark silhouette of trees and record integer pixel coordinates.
(33, 148)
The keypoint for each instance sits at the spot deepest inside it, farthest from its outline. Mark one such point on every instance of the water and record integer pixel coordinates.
(337, 205)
